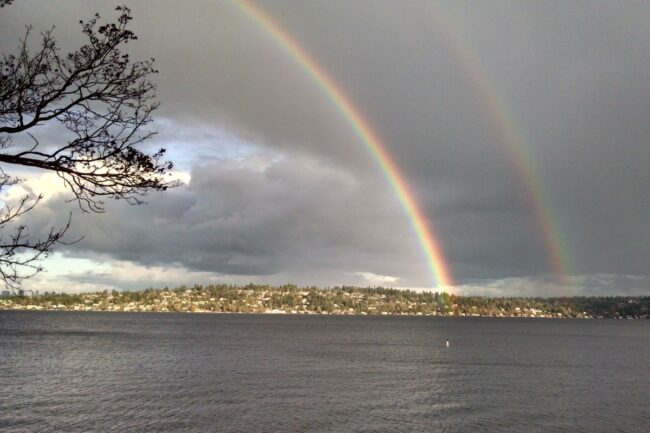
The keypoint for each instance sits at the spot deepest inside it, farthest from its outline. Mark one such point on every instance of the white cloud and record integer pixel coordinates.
(376, 279)
(50, 185)
(75, 275)
(34, 183)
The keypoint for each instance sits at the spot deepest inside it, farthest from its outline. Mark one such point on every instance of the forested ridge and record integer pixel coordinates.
(337, 300)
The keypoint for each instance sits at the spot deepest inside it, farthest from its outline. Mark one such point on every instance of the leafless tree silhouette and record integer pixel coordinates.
(104, 101)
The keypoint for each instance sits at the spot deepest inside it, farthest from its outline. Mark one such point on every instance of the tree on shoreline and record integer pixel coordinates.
(103, 101)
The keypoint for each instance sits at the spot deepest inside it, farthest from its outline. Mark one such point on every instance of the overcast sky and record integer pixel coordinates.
(281, 190)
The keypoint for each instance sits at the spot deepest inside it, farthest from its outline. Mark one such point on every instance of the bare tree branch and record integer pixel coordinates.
(104, 101)
(101, 97)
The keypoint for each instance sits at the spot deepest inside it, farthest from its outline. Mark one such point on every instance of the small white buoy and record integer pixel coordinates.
(447, 343)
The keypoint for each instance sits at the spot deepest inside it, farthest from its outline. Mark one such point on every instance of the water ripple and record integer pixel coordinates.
(246, 373)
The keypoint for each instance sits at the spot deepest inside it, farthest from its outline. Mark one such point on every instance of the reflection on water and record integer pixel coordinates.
(253, 373)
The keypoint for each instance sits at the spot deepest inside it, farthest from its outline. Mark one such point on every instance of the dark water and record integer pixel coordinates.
(83, 372)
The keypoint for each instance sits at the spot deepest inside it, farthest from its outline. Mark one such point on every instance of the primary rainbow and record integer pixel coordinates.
(424, 232)
(516, 146)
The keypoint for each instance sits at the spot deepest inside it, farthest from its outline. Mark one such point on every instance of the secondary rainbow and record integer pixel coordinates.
(512, 139)
(426, 236)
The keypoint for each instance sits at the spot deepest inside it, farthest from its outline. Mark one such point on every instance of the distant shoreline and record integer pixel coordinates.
(340, 301)
(263, 313)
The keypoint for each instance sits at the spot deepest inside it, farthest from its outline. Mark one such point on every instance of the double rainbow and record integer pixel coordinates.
(424, 231)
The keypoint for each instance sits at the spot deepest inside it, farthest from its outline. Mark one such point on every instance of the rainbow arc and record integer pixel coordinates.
(423, 229)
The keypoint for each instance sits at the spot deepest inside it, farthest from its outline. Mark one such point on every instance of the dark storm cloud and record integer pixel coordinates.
(573, 79)
(258, 216)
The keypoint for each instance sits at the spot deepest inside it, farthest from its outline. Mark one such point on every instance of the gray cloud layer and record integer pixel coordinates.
(258, 216)
(573, 77)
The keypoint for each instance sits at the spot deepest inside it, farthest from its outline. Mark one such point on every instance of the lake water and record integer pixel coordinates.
(136, 372)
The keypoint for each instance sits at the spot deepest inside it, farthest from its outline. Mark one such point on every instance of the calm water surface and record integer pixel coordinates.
(122, 372)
